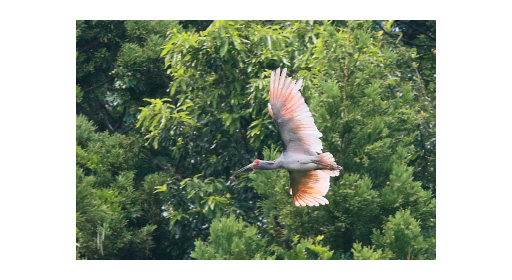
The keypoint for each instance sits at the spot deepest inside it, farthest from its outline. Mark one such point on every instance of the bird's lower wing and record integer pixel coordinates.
(309, 187)
(292, 115)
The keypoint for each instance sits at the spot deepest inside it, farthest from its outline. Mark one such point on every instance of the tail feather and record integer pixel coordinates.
(328, 164)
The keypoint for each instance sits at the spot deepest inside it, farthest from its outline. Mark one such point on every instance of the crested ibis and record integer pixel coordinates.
(310, 169)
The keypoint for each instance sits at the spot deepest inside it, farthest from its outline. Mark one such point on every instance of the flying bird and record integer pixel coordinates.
(310, 169)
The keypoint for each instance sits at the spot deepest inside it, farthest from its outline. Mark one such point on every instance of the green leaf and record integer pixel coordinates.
(162, 188)
(223, 47)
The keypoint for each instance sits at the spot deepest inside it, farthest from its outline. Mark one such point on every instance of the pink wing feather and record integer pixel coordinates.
(309, 188)
(292, 115)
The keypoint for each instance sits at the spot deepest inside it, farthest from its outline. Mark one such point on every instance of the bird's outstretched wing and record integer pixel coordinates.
(292, 115)
(309, 187)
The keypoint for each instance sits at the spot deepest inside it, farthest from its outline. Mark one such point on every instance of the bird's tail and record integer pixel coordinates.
(328, 164)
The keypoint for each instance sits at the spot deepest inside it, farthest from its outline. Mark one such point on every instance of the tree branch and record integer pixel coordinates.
(419, 80)
(90, 45)
(120, 119)
(418, 29)
(404, 40)
(98, 85)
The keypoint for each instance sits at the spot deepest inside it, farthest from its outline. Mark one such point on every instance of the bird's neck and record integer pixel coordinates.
(267, 165)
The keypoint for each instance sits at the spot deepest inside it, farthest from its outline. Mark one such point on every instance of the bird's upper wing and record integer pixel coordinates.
(309, 187)
(292, 115)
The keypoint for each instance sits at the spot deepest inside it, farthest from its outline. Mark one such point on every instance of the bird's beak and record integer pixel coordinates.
(242, 169)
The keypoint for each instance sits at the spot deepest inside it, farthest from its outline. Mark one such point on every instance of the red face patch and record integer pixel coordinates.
(255, 164)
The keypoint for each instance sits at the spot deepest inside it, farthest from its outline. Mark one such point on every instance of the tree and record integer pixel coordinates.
(118, 64)
(231, 239)
(166, 110)
(402, 236)
(117, 217)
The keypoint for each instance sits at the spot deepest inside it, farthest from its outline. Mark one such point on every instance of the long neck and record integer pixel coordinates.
(267, 165)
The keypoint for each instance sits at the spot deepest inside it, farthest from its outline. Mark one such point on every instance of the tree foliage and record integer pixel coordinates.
(166, 110)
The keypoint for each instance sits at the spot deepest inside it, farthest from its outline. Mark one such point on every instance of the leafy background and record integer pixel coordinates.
(167, 110)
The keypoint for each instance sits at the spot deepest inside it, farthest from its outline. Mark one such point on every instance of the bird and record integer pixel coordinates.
(309, 168)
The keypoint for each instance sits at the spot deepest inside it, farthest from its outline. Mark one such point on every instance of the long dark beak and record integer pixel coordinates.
(241, 170)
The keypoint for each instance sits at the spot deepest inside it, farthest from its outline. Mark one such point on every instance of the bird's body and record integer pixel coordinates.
(309, 168)
(297, 162)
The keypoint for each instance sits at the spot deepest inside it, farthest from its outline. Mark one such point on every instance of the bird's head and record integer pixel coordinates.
(253, 165)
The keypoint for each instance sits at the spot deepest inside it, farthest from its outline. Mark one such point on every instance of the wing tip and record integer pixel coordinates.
(309, 200)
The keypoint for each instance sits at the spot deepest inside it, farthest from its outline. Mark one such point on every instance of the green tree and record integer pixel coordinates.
(117, 65)
(117, 215)
(166, 110)
(231, 239)
(370, 253)
(402, 236)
